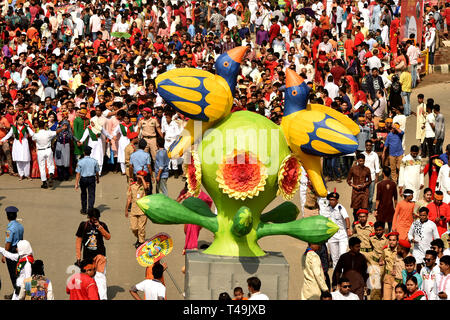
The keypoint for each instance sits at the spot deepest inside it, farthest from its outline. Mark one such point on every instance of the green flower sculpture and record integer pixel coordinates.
(243, 162)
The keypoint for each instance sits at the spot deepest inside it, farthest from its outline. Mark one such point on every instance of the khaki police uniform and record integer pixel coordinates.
(148, 129)
(376, 271)
(137, 218)
(129, 149)
(363, 233)
(392, 272)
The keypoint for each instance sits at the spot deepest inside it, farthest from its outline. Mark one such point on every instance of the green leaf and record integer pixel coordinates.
(199, 206)
(285, 212)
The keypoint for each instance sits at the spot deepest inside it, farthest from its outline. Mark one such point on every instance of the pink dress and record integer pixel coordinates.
(192, 230)
(110, 125)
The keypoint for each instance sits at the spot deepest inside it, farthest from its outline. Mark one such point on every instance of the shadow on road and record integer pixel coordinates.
(103, 207)
(113, 290)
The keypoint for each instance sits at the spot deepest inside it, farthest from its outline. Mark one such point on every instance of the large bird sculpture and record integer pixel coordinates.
(314, 130)
(200, 95)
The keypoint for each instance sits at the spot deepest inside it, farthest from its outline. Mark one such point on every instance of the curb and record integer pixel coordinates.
(442, 68)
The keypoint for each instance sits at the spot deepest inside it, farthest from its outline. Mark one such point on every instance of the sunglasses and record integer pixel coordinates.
(347, 286)
(426, 260)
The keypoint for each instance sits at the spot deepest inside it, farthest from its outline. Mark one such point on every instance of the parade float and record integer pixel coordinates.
(243, 160)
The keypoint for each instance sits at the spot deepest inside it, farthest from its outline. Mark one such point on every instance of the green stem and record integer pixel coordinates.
(226, 243)
(163, 210)
(317, 229)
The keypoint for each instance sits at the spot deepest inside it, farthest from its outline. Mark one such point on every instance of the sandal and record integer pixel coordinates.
(29, 179)
(21, 178)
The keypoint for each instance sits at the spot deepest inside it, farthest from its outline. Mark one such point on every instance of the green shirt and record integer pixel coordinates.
(79, 125)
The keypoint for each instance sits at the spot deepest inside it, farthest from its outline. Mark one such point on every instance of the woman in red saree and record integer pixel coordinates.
(432, 168)
(191, 230)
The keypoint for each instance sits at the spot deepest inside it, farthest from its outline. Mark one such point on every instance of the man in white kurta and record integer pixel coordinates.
(372, 162)
(172, 130)
(443, 182)
(420, 122)
(313, 276)
(421, 233)
(429, 274)
(94, 132)
(303, 188)
(100, 122)
(443, 280)
(411, 173)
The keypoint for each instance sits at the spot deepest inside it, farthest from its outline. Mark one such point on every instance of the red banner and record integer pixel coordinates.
(411, 20)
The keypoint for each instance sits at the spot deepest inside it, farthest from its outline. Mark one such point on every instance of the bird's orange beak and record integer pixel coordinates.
(237, 53)
(292, 78)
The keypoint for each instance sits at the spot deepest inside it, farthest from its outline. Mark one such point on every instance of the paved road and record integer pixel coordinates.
(51, 218)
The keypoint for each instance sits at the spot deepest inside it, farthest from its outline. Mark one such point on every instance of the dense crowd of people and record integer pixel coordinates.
(78, 83)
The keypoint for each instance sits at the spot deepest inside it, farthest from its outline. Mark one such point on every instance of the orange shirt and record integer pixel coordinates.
(349, 46)
(32, 31)
(403, 218)
(325, 21)
(3, 131)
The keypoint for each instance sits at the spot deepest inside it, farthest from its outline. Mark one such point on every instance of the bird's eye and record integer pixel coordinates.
(226, 64)
(294, 92)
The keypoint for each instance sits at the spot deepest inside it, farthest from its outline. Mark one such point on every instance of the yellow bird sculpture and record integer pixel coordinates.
(314, 130)
(200, 95)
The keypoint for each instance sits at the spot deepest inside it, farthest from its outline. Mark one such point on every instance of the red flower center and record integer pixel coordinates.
(243, 174)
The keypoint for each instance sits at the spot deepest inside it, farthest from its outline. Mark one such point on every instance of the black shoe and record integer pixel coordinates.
(50, 180)
(83, 211)
(8, 296)
(44, 185)
(137, 244)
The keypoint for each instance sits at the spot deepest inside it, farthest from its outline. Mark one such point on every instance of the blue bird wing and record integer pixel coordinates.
(317, 133)
(346, 121)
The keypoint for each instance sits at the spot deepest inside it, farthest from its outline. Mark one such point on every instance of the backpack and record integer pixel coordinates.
(396, 87)
(440, 19)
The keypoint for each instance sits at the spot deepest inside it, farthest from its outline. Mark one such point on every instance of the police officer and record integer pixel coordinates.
(140, 160)
(338, 243)
(136, 191)
(148, 129)
(87, 174)
(14, 233)
(363, 229)
(378, 241)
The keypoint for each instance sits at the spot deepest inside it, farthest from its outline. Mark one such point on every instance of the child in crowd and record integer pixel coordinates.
(239, 294)
(410, 270)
